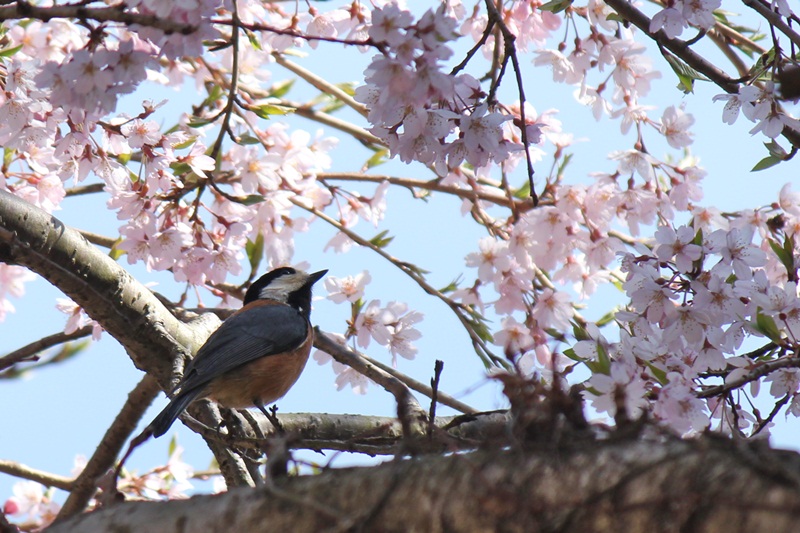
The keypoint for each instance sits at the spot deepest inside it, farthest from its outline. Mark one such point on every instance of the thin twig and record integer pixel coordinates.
(48, 479)
(228, 111)
(321, 84)
(774, 19)
(511, 51)
(444, 399)
(408, 409)
(756, 373)
(437, 373)
(29, 351)
(775, 410)
(430, 185)
(481, 348)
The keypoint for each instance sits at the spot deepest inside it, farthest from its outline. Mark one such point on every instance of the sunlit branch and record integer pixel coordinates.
(48, 479)
(430, 185)
(321, 84)
(85, 189)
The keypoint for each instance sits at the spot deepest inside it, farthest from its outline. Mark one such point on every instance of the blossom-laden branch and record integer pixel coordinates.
(779, 122)
(21, 9)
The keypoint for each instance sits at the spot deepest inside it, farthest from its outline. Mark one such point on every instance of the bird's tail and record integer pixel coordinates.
(176, 406)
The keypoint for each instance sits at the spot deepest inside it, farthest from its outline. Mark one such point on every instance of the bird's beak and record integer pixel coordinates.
(315, 277)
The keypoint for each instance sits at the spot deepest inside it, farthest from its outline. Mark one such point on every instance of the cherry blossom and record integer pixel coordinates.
(349, 289)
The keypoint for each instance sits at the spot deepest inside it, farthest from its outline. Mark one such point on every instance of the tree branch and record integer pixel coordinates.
(114, 13)
(655, 484)
(15, 469)
(29, 351)
(86, 484)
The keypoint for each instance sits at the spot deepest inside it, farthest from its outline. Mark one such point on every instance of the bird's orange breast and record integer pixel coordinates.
(263, 381)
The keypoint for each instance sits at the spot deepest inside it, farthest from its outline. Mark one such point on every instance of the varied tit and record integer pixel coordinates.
(256, 355)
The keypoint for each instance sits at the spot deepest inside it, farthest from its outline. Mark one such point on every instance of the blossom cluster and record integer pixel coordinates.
(32, 506)
(392, 326)
(425, 114)
(693, 300)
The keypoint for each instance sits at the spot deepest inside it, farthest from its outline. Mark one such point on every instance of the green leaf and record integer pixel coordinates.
(776, 149)
(603, 360)
(347, 87)
(8, 52)
(255, 252)
(378, 158)
(481, 330)
(115, 253)
(607, 318)
(524, 191)
(785, 253)
(659, 374)
(767, 162)
(555, 6)
(686, 74)
(334, 105)
(281, 88)
(173, 444)
(766, 326)
(253, 38)
(8, 156)
(185, 144)
(71, 349)
(247, 139)
(580, 333)
(452, 286)
(566, 161)
(251, 199)
(381, 240)
(569, 352)
(198, 122)
(268, 110)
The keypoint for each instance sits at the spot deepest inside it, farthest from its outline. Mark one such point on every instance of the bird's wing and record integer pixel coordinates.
(244, 337)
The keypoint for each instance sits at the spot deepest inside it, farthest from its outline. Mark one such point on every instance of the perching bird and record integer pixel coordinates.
(256, 355)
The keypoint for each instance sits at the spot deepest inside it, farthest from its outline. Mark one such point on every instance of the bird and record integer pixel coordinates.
(256, 355)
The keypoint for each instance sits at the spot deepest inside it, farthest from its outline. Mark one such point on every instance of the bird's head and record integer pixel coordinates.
(285, 285)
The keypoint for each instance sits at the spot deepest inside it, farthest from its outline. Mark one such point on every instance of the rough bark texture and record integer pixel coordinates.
(655, 484)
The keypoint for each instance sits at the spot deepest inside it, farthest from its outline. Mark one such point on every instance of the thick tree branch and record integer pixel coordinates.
(653, 484)
(126, 309)
(372, 435)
